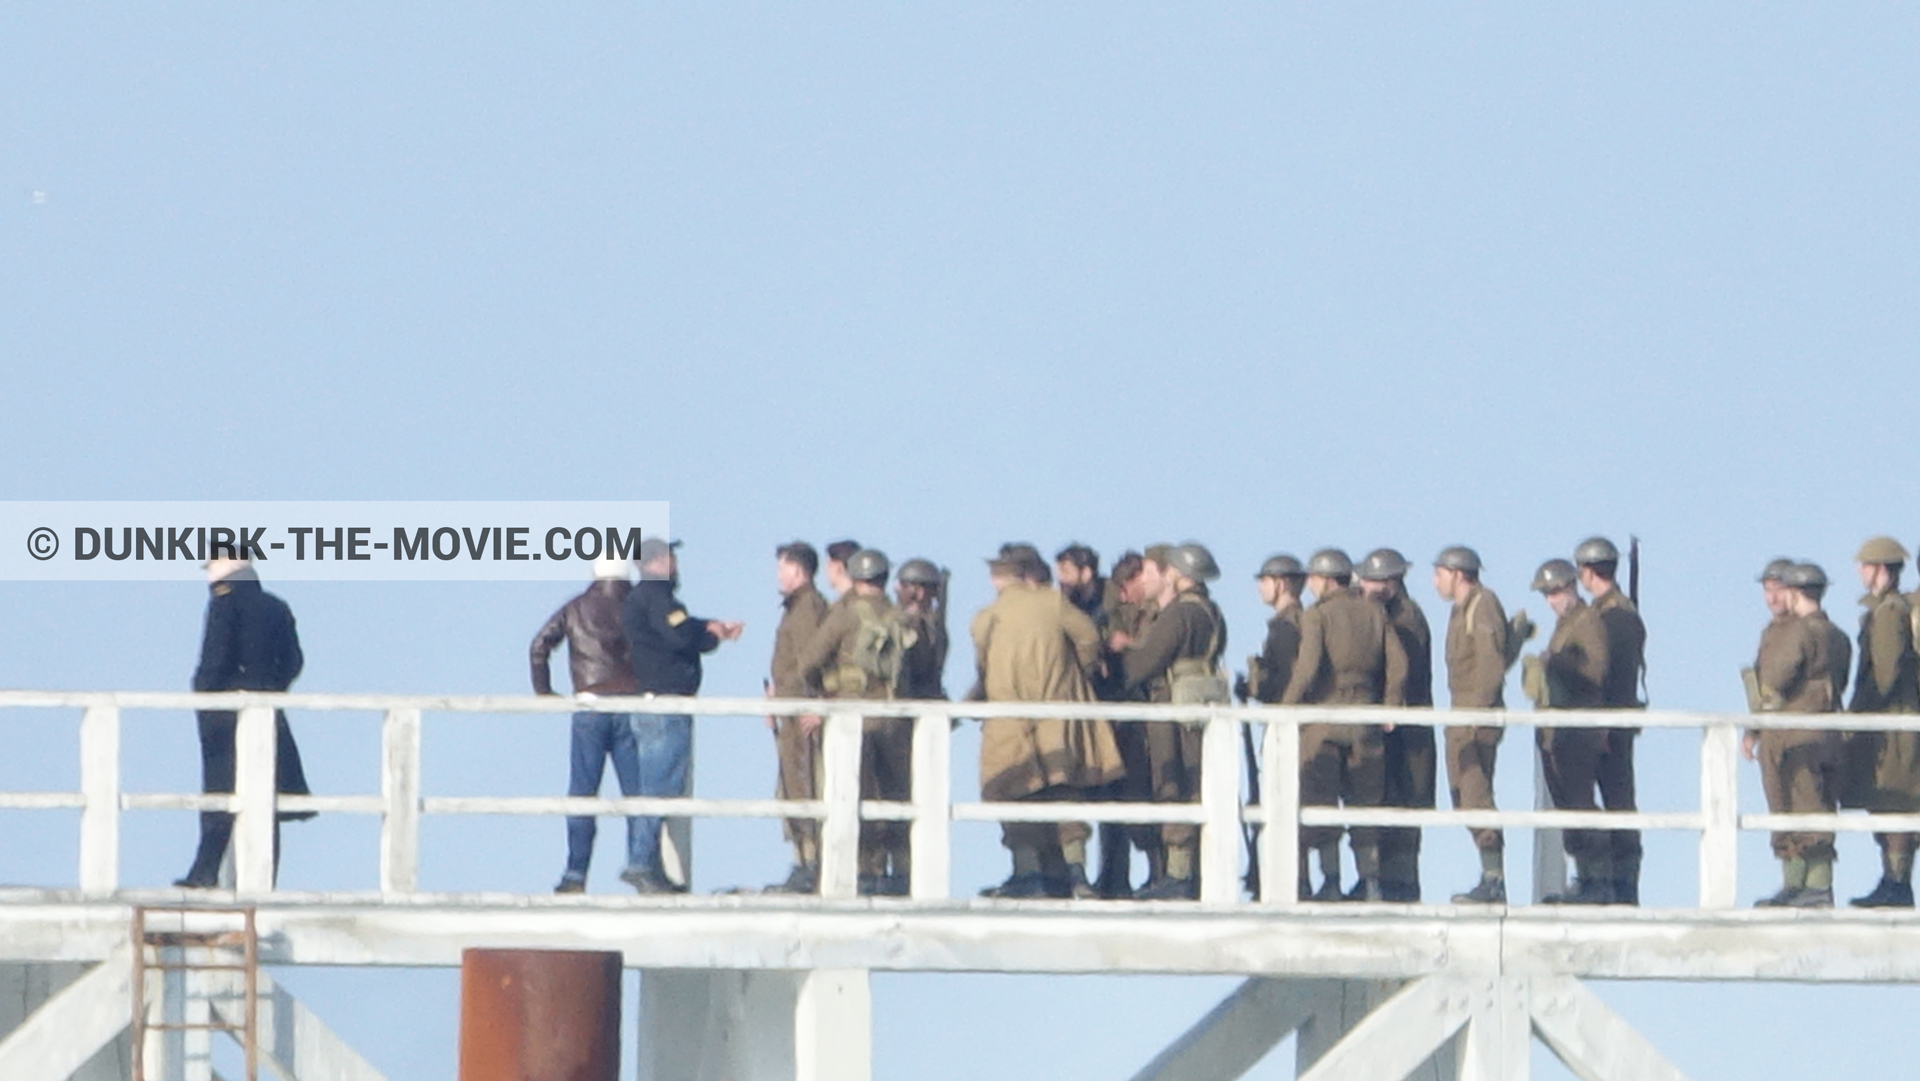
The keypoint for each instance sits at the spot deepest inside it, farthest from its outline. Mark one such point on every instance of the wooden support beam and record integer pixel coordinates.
(59, 1037)
(1396, 1038)
(1236, 1034)
(1593, 1041)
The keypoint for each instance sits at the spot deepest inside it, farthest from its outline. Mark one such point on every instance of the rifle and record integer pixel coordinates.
(1250, 831)
(1633, 570)
(1633, 594)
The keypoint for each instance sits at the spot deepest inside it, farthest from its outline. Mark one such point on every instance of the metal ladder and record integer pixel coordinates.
(196, 941)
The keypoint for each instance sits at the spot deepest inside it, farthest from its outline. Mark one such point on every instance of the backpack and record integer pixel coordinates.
(1198, 680)
(877, 654)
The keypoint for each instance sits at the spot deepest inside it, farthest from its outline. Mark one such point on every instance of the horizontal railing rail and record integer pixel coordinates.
(1220, 811)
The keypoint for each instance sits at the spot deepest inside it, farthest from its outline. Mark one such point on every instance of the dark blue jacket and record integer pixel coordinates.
(250, 643)
(663, 640)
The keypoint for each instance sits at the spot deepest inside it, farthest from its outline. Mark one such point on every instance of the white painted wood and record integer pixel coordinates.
(1280, 807)
(24, 988)
(1236, 1034)
(931, 835)
(1395, 1039)
(400, 798)
(41, 801)
(294, 1044)
(840, 829)
(754, 931)
(1220, 839)
(100, 788)
(833, 1026)
(659, 806)
(254, 794)
(1549, 843)
(1497, 1044)
(66, 1031)
(1593, 1041)
(725, 1025)
(1085, 812)
(196, 1044)
(676, 829)
(1720, 807)
(754, 710)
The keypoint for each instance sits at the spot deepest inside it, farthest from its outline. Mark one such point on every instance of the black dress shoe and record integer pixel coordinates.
(195, 882)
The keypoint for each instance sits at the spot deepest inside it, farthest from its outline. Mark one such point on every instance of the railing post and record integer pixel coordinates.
(931, 836)
(1720, 811)
(840, 829)
(1220, 800)
(1280, 798)
(100, 787)
(400, 788)
(253, 786)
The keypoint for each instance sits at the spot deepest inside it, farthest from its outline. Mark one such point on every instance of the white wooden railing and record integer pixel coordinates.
(1219, 812)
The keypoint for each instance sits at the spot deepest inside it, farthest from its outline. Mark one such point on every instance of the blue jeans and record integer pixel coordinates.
(665, 745)
(596, 738)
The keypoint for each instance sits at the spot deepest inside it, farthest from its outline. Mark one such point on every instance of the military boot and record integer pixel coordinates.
(1491, 890)
(1888, 894)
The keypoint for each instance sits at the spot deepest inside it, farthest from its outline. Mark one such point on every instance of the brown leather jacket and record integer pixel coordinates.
(596, 645)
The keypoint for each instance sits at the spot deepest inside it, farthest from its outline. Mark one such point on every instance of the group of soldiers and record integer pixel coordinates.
(1341, 634)
(1802, 667)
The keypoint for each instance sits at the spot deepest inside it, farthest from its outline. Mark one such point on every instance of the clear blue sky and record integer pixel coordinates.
(939, 276)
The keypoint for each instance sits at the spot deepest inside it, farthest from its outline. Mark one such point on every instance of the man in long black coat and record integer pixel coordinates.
(250, 645)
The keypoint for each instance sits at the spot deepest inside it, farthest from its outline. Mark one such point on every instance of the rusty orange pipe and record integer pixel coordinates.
(539, 1015)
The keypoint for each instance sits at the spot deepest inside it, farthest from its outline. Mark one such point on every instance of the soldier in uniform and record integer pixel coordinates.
(1572, 674)
(1282, 581)
(1033, 645)
(1795, 672)
(797, 739)
(1411, 764)
(1350, 655)
(859, 653)
(249, 644)
(837, 555)
(1477, 652)
(1077, 568)
(1177, 660)
(1884, 767)
(920, 590)
(1598, 562)
(1127, 609)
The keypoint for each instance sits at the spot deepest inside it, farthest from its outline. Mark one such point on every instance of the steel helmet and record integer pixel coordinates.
(919, 572)
(1804, 576)
(1555, 575)
(1193, 560)
(1281, 566)
(1596, 550)
(1776, 570)
(1458, 558)
(1383, 564)
(868, 565)
(1330, 563)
